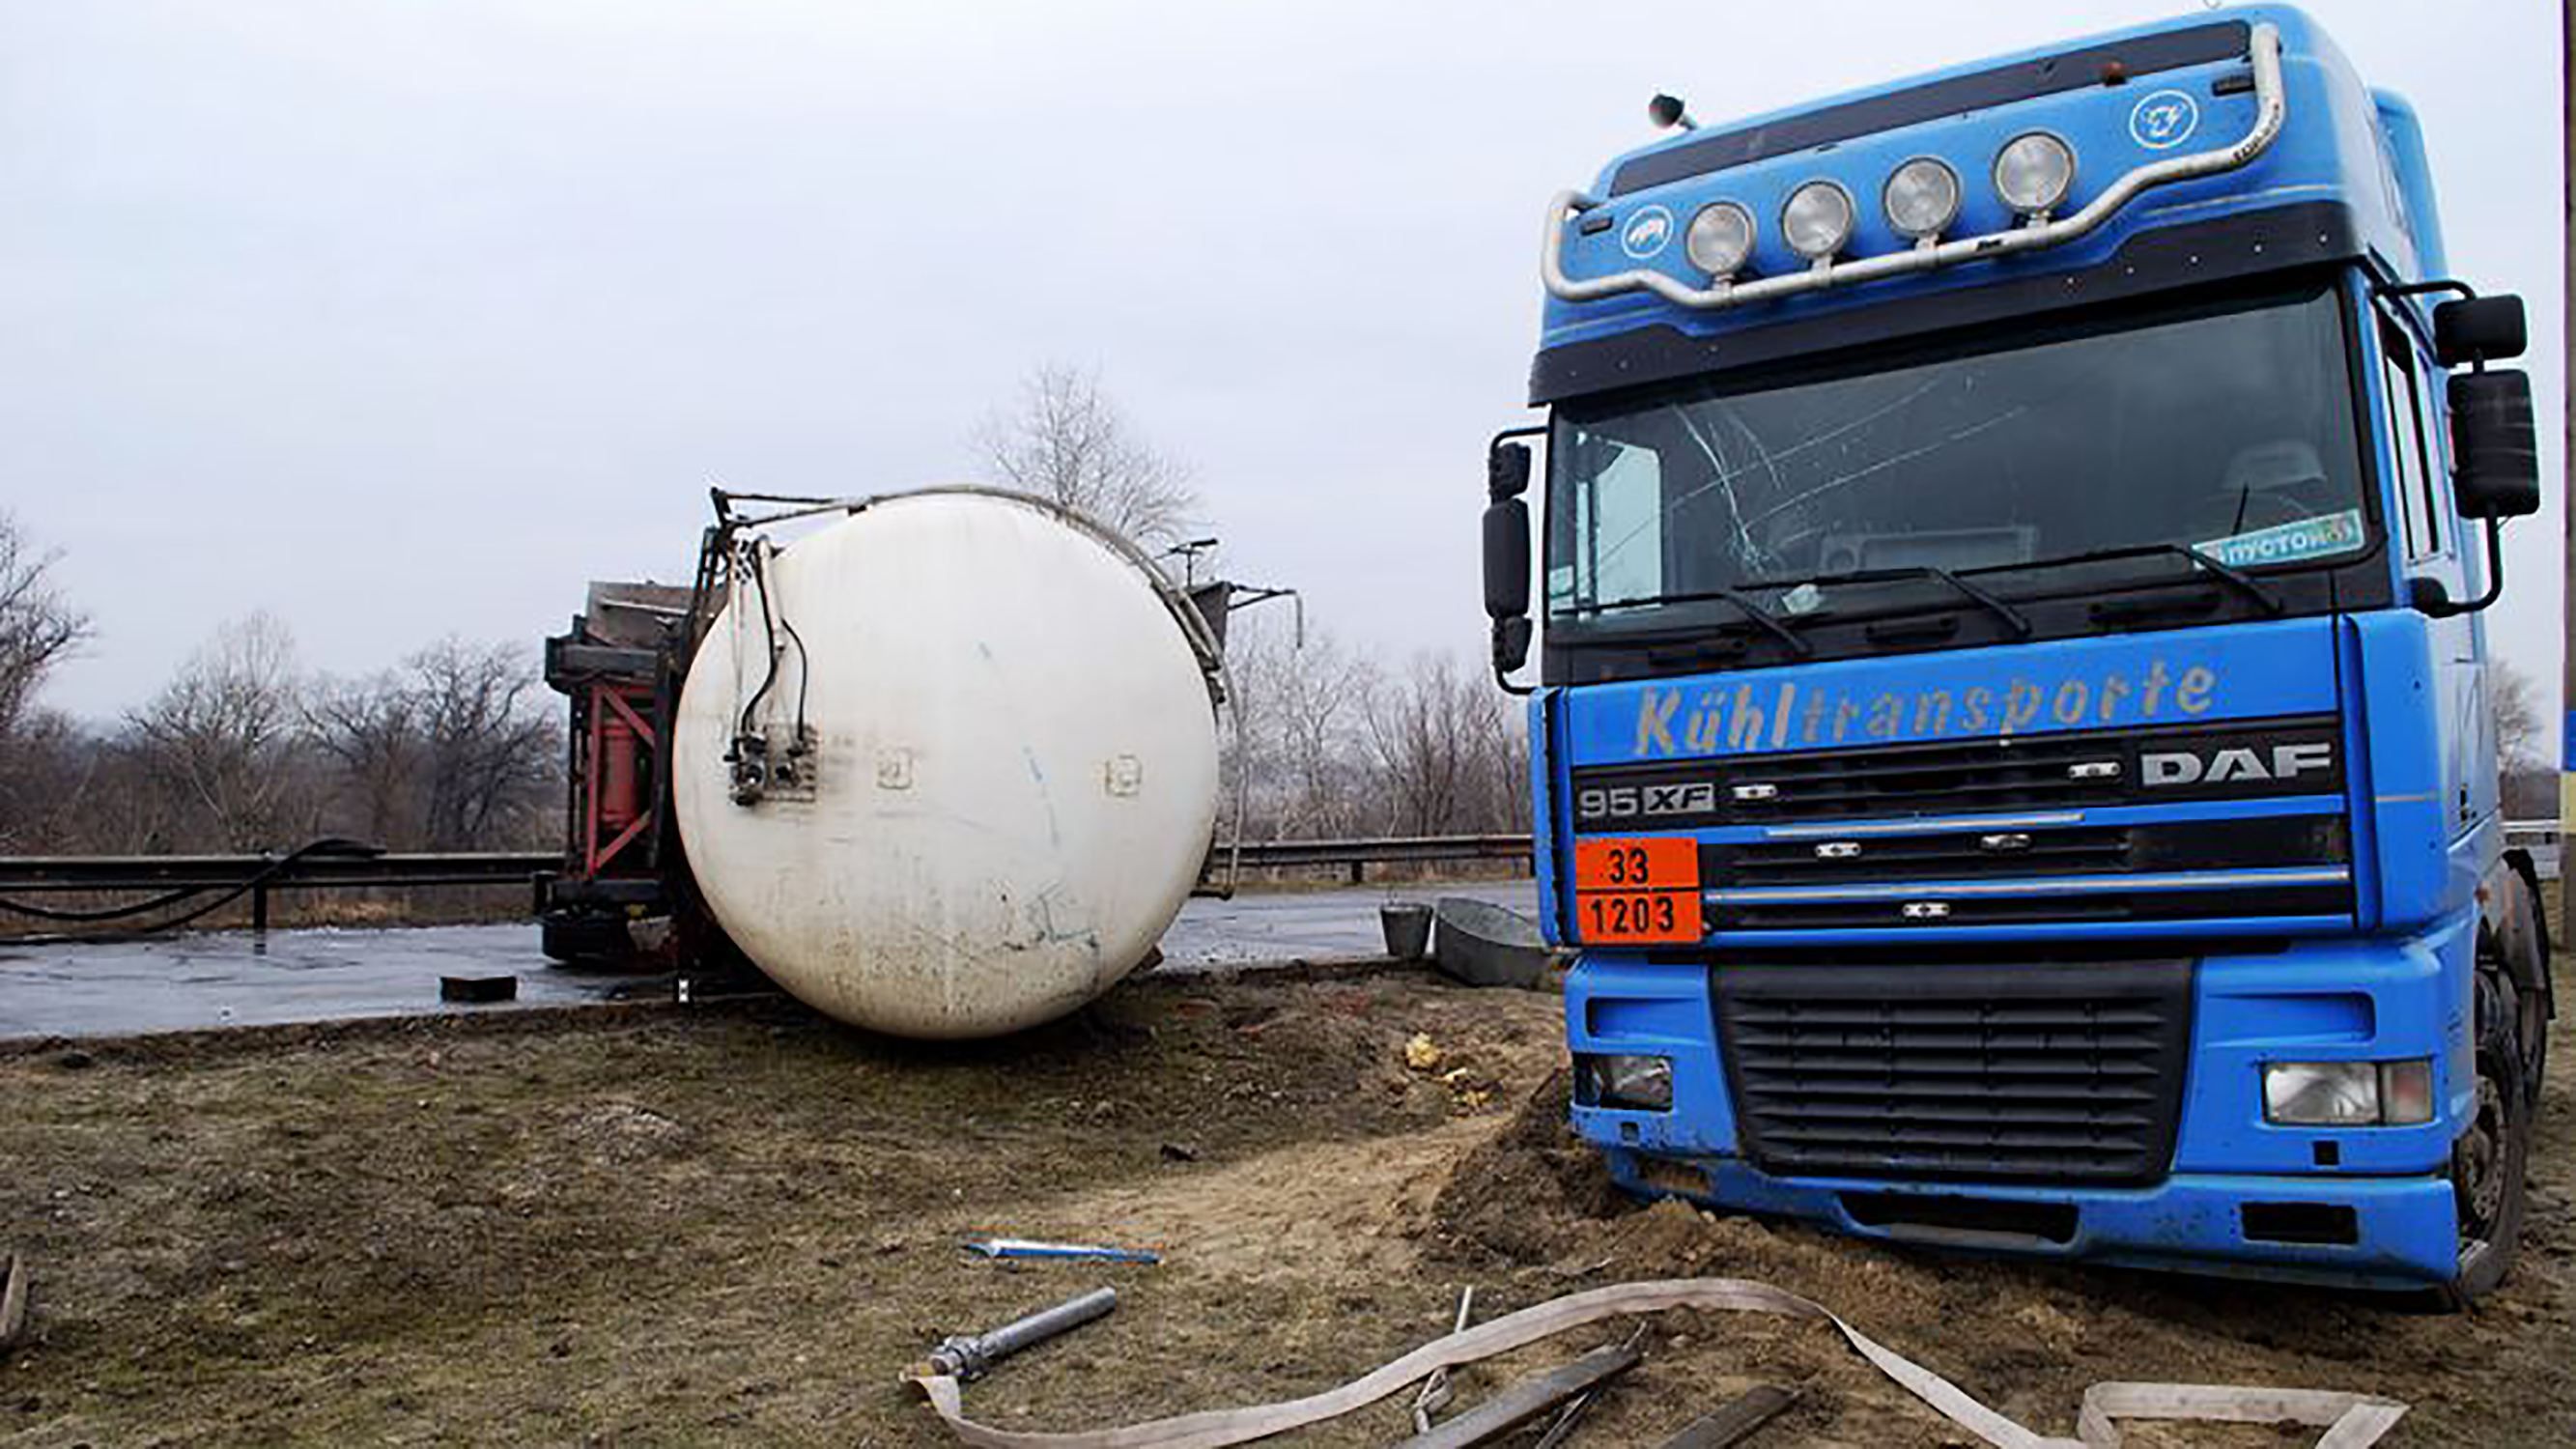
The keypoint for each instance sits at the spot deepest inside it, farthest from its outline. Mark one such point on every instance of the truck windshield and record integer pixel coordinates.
(2227, 429)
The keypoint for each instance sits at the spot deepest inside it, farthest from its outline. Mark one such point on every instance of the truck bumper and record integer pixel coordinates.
(2401, 1230)
(2238, 1194)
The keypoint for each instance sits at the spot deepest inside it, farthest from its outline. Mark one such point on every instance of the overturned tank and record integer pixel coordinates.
(943, 764)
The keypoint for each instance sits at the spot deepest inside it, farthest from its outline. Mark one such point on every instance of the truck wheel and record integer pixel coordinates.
(583, 938)
(2531, 1017)
(2523, 946)
(2487, 1161)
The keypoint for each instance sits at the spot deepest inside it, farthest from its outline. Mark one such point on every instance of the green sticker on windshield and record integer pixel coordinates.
(2289, 542)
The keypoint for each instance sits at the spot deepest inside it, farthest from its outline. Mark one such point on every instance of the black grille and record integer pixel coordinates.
(2069, 1073)
(2014, 774)
(2040, 906)
(1958, 855)
(1982, 775)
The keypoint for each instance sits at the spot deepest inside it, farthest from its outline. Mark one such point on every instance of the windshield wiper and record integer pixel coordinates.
(2012, 617)
(1752, 612)
(2235, 578)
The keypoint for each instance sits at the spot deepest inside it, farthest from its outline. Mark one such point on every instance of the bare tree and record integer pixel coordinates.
(219, 741)
(487, 750)
(1067, 441)
(1300, 704)
(37, 628)
(370, 729)
(1449, 756)
(2515, 704)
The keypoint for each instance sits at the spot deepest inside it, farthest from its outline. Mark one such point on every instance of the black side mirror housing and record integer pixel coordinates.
(2496, 454)
(2479, 329)
(1507, 552)
(1507, 548)
(1507, 470)
(1511, 644)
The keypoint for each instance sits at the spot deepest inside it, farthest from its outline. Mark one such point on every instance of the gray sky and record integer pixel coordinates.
(398, 319)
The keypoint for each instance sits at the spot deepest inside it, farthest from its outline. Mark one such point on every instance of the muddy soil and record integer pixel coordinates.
(647, 1227)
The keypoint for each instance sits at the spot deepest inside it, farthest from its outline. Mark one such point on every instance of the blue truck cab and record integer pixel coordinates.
(2011, 744)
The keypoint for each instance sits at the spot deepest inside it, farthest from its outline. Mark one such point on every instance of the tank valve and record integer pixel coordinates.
(750, 760)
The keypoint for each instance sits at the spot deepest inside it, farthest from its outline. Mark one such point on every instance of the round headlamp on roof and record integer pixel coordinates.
(1720, 240)
(1818, 220)
(2033, 172)
(1921, 198)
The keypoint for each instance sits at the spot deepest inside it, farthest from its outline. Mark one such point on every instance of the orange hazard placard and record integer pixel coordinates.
(1646, 916)
(1637, 889)
(1644, 863)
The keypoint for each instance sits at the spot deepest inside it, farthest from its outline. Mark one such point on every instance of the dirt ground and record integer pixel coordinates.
(643, 1227)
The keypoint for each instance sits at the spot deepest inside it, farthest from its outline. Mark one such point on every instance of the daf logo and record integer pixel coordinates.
(1646, 232)
(2281, 762)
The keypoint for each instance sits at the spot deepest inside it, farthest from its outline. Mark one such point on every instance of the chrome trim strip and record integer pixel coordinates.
(2271, 110)
(1911, 827)
(2055, 885)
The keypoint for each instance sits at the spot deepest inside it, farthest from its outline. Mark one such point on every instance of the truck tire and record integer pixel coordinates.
(583, 938)
(2522, 946)
(2488, 1160)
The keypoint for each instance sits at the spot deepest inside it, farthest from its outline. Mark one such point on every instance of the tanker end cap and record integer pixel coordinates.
(985, 773)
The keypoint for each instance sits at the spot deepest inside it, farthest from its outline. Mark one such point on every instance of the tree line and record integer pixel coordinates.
(457, 747)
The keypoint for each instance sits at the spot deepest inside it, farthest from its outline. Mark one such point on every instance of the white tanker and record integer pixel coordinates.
(946, 766)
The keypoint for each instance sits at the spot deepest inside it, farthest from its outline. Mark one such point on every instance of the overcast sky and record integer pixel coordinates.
(401, 319)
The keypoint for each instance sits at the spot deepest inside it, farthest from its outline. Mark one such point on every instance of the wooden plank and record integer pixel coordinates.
(1526, 1400)
(1735, 1420)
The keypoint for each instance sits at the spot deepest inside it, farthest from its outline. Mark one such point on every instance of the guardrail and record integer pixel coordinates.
(1358, 855)
(354, 869)
(2540, 837)
(178, 880)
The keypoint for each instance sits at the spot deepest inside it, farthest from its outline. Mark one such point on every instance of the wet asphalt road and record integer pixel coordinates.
(229, 978)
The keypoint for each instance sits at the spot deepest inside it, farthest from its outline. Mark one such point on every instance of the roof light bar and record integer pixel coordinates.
(2271, 110)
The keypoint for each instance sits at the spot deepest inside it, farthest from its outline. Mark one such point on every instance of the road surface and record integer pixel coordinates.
(226, 978)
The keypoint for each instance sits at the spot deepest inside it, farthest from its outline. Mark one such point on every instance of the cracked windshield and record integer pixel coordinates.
(2230, 431)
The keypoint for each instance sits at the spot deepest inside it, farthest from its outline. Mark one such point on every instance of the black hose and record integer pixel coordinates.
(769, 629)
(325, 845)
(804, 675)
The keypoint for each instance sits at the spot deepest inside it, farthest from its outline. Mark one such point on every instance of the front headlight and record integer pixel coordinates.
(2348, 1094)
(1639, 1084)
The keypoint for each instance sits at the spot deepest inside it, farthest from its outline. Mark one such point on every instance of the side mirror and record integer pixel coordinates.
(1511, 645)
(1507, 549)
(2479, 329)
(2496, 456)
(1507, 552)
(1507, 470)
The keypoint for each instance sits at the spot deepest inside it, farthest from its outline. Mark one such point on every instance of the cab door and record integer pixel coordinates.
(2415, 437)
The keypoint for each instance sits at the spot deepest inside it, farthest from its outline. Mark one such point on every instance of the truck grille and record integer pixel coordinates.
(2055, 1072)
(2027, 850)
(2016, 774)
(1966, 777)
